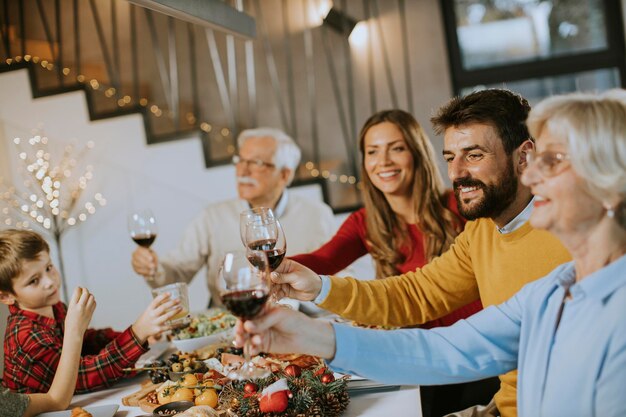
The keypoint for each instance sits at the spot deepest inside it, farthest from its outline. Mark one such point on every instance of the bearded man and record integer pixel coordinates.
(265, 166)
(486, 144)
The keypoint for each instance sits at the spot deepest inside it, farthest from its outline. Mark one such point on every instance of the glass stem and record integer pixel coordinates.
(273, 289)
(246, 349)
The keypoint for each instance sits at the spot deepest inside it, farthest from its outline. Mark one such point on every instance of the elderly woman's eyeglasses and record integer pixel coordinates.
(252, 164)
(549, 163)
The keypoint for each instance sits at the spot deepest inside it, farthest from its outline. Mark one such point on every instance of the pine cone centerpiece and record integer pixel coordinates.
(310, 396)
(335, 404)
(316, 411)
(254, 412)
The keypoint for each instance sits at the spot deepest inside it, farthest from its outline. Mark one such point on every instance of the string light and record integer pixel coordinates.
(48, 197)
(109, 92)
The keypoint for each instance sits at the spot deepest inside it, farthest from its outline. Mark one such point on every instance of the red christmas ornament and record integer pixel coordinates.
(327, 378)
(250, 388)
(275, 398)
(293, 370)
(274, 403)
(320, 371)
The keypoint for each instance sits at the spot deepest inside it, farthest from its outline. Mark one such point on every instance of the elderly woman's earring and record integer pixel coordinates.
(610, 211)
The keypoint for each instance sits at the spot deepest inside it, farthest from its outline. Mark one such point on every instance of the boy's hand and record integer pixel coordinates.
(79, 312)
(145, 261)
(153, 321)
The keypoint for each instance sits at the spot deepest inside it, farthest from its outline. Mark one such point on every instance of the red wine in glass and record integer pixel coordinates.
(274, 255)
(269, 237)
(145, 240)
(245, 304)
(243, 282)
(142, 228)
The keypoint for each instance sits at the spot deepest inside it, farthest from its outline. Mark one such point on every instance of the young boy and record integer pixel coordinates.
(29, 285)
(79, 314)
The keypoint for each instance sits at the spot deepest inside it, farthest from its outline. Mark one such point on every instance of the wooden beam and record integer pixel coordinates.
(213, 14)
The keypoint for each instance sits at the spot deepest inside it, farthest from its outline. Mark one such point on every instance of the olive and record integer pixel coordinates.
(187, 369)
(186, 363)
(177, 367)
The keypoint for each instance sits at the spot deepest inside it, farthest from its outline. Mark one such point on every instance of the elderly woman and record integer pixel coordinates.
(566, 333)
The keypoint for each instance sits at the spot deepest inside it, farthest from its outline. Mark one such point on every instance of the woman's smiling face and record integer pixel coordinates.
(388, 160)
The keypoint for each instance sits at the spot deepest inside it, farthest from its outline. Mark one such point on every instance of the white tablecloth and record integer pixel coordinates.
(401, 401)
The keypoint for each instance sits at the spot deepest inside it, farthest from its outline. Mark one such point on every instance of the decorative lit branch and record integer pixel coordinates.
(49, 197)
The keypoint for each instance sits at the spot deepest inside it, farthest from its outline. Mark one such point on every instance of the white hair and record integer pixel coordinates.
(287, 153)
(594, 126)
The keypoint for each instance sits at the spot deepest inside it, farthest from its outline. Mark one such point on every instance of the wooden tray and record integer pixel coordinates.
(147, 406)
(138, 399)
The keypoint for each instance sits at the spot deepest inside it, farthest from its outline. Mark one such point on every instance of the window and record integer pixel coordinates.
(534, 47)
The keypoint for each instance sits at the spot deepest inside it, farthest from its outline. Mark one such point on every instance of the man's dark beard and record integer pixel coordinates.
(496, 198)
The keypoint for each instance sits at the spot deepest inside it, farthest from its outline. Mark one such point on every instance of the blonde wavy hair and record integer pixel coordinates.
(594, 126)
(385, 232)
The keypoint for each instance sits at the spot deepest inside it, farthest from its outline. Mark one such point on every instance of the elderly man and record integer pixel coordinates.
(265, 166)
(486, 144)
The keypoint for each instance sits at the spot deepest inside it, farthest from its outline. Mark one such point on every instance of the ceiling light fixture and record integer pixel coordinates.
(339, 21)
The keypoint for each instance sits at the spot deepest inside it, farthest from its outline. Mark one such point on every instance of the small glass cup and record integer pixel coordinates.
(179, 291)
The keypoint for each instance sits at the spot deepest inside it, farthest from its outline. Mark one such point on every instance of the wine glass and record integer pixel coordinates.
(142, 227)
(251, 215)
(244, 290)
(268, 236)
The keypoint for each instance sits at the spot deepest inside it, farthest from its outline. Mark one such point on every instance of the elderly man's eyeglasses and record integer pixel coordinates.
(252, 164)
(549, 163)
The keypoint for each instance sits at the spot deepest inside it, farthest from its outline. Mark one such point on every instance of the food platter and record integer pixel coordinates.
(207, 384)
(206, 328)
(195, 343)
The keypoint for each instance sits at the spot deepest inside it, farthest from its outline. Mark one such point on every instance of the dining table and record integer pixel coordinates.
(375, 402)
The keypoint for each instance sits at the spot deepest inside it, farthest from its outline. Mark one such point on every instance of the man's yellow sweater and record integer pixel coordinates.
(481, 263)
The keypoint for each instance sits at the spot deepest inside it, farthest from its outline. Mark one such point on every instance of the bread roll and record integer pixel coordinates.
(80, 412)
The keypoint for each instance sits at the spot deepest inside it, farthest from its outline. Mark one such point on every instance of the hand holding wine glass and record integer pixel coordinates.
(244, 280)
(142, 227)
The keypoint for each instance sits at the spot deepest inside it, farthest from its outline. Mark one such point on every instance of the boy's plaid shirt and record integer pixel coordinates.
(32, 349)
